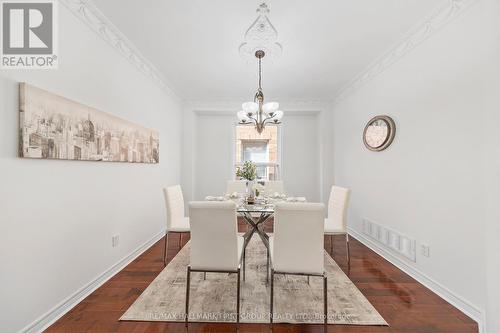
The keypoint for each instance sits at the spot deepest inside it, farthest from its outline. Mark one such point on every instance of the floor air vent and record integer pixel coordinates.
(390, 239)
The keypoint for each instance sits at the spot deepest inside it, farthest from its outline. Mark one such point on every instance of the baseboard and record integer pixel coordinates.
(457, 301)
(62, 308)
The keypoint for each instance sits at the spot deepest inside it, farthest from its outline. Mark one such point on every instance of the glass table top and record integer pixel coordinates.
(261, 205)
(255, 208)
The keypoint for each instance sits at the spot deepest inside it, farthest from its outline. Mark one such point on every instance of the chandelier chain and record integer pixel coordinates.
(260, 73)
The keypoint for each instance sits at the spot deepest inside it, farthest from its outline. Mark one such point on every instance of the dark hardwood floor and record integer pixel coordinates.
(405, 304)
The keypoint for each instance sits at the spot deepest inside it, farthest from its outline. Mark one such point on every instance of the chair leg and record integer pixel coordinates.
(348, 249)
(238, 299)
(244, 262)
(204, 275)
(325, 298)
(308, 279)
(180, 240)
(331, 245)
(267, 268)
(272, 296)
(165, 250)
(268, 273)
(188, 282)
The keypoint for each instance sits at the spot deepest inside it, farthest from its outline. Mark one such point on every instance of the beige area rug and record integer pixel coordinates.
(214, 299)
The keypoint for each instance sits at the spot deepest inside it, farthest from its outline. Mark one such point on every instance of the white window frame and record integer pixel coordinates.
(279, 155)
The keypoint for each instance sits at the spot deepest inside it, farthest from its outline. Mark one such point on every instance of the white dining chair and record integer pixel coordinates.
(297, 244)
(215, 244)
(238, 186)
(273, 186)
(177, 223)
(336, 222)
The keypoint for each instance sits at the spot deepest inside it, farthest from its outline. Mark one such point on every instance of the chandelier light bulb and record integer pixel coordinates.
(278, 115)
(250, 107)
(242, 117)
(270, 107)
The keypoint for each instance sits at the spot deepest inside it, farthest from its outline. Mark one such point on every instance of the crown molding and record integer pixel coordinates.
(91, 16)
(235, 105)
(443, 15)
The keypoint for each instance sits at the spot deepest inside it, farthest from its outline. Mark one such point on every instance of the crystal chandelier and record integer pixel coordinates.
(259, 38)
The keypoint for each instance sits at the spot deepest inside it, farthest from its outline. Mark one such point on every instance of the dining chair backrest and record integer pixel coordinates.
(238, 186)
(273, 186)
(337, 207)
(214, 233)
(298, 238)
(174, 202)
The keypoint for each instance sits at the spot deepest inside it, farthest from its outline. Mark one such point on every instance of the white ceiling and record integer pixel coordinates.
(326, 43)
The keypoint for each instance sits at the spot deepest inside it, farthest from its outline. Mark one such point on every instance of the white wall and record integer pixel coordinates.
(301, 164)
(214, 154)
(428, 184)
(326, 143)
(492, 174)
(57, 217)
(208, 149)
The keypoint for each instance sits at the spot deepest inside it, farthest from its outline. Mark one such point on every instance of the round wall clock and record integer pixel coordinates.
(379, 133)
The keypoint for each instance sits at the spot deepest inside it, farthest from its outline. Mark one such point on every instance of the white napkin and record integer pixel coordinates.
(296, 199)
(211, 198)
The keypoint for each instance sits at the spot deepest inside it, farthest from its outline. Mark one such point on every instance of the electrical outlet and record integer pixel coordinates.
(115, 240)
(425, 250)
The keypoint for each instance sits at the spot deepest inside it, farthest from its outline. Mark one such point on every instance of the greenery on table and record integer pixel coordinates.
(248, 171)
(258, 188)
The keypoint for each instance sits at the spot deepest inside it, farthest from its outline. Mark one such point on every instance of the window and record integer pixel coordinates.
(262, 149)
(256, 151)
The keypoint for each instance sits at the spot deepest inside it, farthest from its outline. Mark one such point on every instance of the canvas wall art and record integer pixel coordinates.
(53, 127)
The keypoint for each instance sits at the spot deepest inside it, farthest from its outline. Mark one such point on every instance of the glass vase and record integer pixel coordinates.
(250, 195)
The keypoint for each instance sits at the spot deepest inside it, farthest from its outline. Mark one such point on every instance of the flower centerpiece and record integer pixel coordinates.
(248, 171)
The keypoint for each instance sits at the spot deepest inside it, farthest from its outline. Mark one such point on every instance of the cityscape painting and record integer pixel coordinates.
(53, 127)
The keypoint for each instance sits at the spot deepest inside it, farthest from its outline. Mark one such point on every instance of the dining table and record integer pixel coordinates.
(256, 215)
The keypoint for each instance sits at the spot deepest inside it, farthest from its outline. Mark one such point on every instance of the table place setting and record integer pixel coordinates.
(296, 199)
(212, 198)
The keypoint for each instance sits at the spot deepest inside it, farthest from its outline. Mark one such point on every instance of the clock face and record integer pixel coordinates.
(379, 133)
